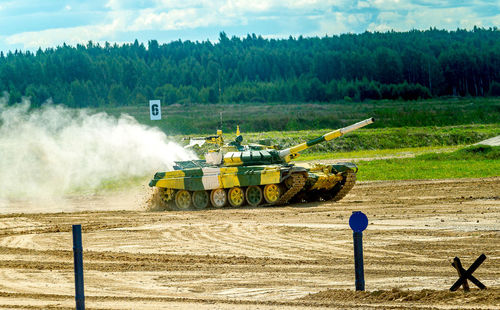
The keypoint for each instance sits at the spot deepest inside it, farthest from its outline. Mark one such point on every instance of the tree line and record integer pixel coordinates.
(351, 67)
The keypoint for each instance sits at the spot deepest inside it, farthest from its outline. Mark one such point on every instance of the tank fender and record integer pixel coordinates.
(157, 176)
(286, 173)
(344, 167)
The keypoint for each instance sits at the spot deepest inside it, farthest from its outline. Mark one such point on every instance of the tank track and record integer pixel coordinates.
(299, 180)
(350, 180)
(158, 201)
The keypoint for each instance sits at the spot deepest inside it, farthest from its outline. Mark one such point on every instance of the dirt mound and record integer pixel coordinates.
(474, 297)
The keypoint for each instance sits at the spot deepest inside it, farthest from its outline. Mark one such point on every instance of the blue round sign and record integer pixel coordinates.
(358, 221)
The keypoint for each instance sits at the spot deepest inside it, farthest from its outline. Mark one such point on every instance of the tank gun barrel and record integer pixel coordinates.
(294, 150)
(208, 138)
(216, 139)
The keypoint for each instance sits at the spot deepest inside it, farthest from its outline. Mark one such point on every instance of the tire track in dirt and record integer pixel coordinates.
(268, 258)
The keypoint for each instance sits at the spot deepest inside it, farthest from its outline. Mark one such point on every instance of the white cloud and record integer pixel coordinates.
(245, 6)
(171, 20)
(54, 37)
(124, 18)
(379, 27)
(334, 23)
(392, 5)
(495, 20)
(362, 5)
(114, 4)
(425, 17)
(318, 4)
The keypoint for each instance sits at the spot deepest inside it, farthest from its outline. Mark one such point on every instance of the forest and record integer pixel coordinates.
(349, 67)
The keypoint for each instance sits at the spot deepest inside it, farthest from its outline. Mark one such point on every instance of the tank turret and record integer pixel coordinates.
(261, 157)
(236, 174)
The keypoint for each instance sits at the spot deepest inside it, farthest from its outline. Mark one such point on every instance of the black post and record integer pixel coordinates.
(358, 260)
(467, 274)
(78, 262)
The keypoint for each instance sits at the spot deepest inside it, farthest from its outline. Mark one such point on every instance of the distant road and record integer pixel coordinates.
(495, 141)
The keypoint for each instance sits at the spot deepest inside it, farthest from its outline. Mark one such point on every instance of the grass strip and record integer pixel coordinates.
(287, 116)
(472, 162)
(399, 152)
(370, 139)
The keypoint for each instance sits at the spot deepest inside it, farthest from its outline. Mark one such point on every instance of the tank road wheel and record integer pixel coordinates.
(288, 183)
(218, 197)
(183, 199)
(236, 196)
(271, 193)
(254, 195)
(200, 200)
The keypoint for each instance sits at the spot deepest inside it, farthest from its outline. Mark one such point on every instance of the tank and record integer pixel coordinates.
(258, 175)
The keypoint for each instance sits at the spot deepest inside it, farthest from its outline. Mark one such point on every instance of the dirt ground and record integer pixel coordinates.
(293, 257)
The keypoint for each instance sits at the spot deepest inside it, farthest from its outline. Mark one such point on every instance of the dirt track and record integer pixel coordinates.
(495, 141)
(295, 257)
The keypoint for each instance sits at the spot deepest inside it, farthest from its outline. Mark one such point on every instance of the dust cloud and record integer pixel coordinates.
(52, 151)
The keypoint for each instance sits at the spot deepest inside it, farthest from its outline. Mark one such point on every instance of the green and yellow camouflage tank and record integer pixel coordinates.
(237, 174)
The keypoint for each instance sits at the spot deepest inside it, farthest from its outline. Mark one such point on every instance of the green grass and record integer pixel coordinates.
(471, 162)
(111, 185)
(385, 138)
(279, 116)
(401, 152)
(122, 183)
(399, 124)
(371, 140)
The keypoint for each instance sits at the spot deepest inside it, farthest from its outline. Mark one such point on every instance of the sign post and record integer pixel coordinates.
(155, 110)
(358, 222)
(78, 265)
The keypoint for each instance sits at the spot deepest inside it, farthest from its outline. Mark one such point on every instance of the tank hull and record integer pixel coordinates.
(209, 178)
(277, 184)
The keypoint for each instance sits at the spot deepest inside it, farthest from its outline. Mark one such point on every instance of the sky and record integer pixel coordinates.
(29, 25)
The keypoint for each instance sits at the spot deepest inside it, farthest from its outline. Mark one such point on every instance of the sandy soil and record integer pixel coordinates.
(294, 257)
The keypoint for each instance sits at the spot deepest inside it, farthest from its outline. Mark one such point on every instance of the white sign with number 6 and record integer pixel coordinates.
(155, 110)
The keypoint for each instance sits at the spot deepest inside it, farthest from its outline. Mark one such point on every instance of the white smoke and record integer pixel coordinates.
(48, 152)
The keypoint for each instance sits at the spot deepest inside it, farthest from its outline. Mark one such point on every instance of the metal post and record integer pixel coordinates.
(358, 260)
(358, 222)
(78, 263)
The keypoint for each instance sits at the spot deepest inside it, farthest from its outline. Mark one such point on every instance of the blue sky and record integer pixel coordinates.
(28, 25)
